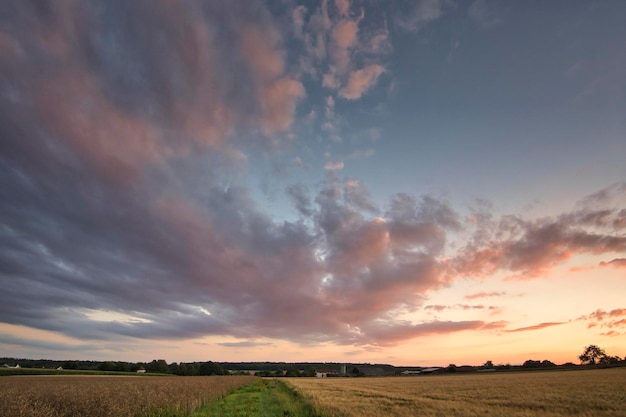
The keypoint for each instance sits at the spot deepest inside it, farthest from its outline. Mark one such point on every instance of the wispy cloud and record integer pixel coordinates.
(483, 294)
(535, 327)
(245, 344)
(423, 13)
(616, 263)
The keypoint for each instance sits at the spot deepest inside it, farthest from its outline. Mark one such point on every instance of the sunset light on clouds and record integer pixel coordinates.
(416, 182)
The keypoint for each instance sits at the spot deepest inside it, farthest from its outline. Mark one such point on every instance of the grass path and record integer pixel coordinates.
(266, 397)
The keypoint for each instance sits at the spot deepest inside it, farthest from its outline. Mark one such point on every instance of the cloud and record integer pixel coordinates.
(298, 194)
(530, 247)
(438, 307)
(337, 42)
(360, 81)
(424, 12)
(298, 20)
(484, 294)
(333, 166)
(605, 319)
(245, 344)
(394, 333)
(123, 166)
(535, 327)
(616, 263)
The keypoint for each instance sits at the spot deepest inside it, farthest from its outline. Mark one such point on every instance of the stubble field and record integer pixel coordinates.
(588, 393)
(107, 396)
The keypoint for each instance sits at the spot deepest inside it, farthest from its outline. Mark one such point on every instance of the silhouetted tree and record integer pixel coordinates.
(591, 355)
(157, 366)
(107, 366)
(488, 365)
(210, 368)
(309, 371)
(609, 360)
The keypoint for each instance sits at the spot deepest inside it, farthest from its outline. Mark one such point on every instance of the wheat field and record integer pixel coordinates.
(588, 393)
(106, 396)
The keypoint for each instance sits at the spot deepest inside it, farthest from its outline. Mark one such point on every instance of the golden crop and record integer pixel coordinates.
(588, 393)
(106, 396)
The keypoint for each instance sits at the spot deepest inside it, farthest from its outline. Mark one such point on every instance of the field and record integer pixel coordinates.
(589, 393)
(586, 393)
(106, 396)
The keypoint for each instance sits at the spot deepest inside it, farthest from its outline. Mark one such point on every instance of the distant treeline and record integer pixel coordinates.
(288, 369)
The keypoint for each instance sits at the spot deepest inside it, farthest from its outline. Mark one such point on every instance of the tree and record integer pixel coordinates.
(107, 366)
(488, 365)
(609, 360)
(591, 355)
(210, 368)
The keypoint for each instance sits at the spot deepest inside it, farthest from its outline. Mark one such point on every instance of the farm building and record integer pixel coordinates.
(410, 372)
(325, 373)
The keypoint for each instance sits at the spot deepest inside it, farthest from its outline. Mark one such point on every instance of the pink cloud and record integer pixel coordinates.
(528, 248)
(484, 294)
(344, 36)
(360, 81)
(114, 143)
(535, 327)
(278, 95)
(395, 333)
(278, 101)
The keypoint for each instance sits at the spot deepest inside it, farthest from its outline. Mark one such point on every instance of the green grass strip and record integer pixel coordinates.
(266, 397)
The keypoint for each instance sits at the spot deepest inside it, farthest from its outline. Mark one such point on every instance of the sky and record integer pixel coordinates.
(417, 182)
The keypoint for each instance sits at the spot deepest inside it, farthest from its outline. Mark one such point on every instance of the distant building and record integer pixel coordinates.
(431, 370)
(368, 370)
(325, 373)
(141, 370)
(410, 372)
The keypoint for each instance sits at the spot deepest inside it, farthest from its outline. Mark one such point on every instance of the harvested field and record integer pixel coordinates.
(106, 396)
(589, 393)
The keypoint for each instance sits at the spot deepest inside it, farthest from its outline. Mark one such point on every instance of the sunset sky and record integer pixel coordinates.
(416, 182)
